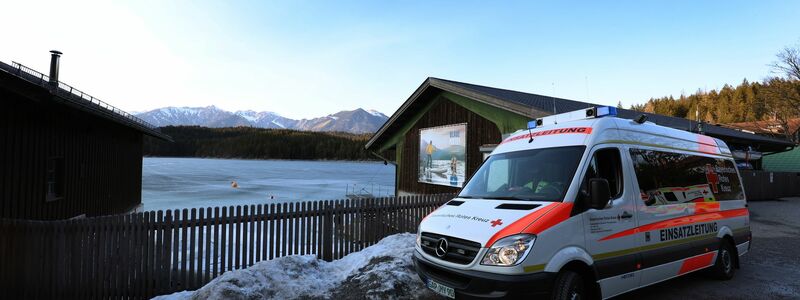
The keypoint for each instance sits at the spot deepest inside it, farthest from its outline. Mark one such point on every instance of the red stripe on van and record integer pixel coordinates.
(705, 207)
(520, 224)
(572, 130)
(707, 144)
(696, 263)
(558, 214)
(680, 221)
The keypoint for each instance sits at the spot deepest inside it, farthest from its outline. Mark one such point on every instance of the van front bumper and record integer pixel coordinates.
(477, 284)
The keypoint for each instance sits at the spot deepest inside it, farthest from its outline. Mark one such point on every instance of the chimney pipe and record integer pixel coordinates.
(55, 57)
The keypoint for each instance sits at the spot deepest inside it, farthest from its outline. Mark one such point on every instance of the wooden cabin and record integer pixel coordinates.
(63, 153)
(444, 130)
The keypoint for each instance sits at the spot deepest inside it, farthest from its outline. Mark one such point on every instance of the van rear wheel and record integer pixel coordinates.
(724, 267)
(569, 286)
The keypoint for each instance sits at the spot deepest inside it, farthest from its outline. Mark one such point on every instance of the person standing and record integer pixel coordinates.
(429, 150)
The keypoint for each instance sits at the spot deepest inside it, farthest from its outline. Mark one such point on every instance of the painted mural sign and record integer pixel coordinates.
(442, 155)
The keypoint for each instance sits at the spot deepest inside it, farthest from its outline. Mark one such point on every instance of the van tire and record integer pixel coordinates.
(725, 265)
(569, 286)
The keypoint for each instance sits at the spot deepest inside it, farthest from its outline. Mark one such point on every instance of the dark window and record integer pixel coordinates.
(606, 164)
(671, 178)
(54, 180)
(539, 174)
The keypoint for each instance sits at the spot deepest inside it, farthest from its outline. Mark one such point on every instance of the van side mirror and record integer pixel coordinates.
(599, 193)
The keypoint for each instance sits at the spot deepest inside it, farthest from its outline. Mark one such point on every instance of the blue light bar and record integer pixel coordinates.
(603, 111)
(532, 124)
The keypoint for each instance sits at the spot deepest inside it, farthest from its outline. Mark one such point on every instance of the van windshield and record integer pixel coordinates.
(539, 174)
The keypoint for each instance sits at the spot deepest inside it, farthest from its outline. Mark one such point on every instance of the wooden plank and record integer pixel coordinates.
(272, 238)
(289, 217)
(305, 208)
(223, 241)
(136, 246)
(252, 242)
(175, 253)
(217, 243)
(296, 228)
(150, 256)
(102, 273)
(118, 255)
(243, 236)
(259, 232)
(184, 277)
(231, 238)
(264, 239)
(238, 241)
(206, 252)
(168, 228)
(284, 229)
(191, 284)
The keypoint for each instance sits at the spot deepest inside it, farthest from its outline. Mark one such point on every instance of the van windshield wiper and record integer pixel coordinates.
(510, 198)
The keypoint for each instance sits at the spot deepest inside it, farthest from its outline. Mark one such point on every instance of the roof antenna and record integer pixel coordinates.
(554, 99)
(555, 121)
(530, 134)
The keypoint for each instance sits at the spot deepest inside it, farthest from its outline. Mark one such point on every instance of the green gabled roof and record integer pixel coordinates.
(788, 161)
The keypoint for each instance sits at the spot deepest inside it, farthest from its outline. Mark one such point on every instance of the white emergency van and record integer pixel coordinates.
(586, 205)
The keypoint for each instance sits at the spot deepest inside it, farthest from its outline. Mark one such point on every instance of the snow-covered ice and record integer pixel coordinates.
(381, 271)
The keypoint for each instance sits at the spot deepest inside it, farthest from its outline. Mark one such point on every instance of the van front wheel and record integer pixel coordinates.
(569, 286)
(724, 266)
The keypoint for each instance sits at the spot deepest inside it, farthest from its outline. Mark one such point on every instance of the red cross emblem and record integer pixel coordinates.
(712, 177)
(497, 222)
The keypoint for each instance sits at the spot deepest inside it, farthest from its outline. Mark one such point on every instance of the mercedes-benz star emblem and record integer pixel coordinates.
(441, 248)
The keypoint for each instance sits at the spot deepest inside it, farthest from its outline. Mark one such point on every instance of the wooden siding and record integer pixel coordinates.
(479, 132)
(102, 160)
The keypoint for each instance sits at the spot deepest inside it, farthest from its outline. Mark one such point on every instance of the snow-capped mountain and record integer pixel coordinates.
(355, 121)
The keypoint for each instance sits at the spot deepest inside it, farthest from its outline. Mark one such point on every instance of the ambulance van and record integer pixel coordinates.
(566, 210)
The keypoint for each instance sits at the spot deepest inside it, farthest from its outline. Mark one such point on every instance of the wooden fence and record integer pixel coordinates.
(763, 185)
(146, 254)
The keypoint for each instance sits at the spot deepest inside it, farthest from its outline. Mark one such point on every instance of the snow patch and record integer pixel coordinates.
(278, 124)
(381, 271)
(376, 113)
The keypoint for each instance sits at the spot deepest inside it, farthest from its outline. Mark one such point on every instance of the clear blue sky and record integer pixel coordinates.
(311, 58)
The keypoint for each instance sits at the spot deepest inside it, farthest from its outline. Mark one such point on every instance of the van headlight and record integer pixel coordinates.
(419, 237)
(509, 251)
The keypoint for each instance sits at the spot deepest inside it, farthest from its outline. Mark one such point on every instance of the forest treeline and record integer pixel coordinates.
(746, 102)
(258, 143)
(776, 98)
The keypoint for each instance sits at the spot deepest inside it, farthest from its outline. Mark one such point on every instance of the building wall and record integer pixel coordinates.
(102, 160)
(479, 132)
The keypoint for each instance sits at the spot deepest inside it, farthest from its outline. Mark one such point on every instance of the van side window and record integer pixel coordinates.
(673, 178)
(606, 164)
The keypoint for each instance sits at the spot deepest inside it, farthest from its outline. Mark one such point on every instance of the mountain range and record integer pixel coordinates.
(354, 121)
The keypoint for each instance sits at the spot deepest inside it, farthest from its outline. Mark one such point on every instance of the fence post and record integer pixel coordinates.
(327, 232)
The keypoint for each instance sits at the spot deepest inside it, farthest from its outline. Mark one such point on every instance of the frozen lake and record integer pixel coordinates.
(169, 183)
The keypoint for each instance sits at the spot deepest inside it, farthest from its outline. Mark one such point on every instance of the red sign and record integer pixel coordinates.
(712, 177)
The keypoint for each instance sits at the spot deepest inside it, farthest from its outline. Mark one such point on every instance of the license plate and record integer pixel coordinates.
(441, 289)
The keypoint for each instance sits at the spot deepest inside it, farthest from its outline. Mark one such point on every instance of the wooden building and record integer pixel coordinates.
(64, 153)
(485, 115)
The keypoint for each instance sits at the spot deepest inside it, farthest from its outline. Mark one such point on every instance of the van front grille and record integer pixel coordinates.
(459, 251)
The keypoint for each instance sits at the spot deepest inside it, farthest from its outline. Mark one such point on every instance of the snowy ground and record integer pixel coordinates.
(382, 271)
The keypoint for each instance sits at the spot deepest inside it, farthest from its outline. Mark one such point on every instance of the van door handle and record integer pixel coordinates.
(625, 215)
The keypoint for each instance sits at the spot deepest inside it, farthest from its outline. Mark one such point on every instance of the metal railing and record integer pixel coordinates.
(76, 96)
